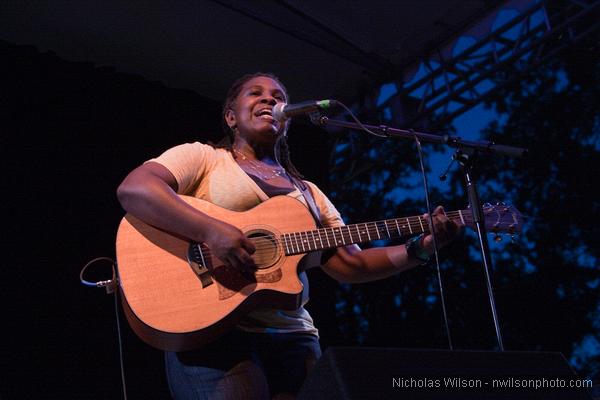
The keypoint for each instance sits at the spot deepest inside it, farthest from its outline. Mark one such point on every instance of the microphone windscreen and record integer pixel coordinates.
(278, 112)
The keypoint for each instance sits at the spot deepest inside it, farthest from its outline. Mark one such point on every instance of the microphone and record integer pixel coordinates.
(283, 111)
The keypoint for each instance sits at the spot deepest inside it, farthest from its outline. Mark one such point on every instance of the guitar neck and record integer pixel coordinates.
(327, 238)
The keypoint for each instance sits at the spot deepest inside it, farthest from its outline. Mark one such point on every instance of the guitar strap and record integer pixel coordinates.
(310, 200)
(314, 210)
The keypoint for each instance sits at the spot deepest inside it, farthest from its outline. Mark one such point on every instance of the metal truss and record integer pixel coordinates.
(453, 86)
(495, 60)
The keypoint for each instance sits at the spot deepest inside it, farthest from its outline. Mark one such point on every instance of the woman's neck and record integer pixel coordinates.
(255, 151)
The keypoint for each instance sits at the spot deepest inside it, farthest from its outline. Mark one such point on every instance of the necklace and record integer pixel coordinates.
(263, 172)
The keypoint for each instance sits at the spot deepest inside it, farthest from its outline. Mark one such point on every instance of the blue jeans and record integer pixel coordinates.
(243, 365)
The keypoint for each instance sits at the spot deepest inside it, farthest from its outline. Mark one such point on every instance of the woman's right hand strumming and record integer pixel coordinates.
(230, 245)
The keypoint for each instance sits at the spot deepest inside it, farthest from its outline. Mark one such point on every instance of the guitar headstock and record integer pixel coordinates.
(498, 218)
(502, 218)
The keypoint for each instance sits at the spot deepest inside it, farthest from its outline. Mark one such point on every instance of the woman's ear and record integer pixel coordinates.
(230, 119)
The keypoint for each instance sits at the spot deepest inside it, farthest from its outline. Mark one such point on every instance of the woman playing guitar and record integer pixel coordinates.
(271, 350)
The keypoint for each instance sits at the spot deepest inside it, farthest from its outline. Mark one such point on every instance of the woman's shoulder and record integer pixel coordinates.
(200, 149)
(314, 188)
(192, 155)
(330, 216)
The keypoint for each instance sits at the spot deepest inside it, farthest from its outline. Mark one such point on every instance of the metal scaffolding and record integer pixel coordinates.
(451, 85)
(498, 59)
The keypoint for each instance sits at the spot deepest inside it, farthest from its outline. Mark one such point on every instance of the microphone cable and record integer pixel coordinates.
(429, 213)
(111, 288)
(434, 236)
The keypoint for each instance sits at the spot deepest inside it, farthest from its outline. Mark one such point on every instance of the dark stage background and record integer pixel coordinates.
(70, 133)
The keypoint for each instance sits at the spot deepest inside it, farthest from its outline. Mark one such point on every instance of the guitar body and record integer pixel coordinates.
(177, 296)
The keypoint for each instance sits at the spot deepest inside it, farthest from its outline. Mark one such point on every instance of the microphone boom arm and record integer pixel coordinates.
(451, 141)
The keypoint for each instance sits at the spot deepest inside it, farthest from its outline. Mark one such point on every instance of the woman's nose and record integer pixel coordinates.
(268, 99)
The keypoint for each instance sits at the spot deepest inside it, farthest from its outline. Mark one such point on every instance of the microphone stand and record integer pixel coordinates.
(465, 147)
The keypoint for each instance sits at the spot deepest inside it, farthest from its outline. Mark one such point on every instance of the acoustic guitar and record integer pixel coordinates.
(177, 296)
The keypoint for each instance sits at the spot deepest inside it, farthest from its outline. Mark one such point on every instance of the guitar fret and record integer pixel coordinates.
(377, 230)
(298, 243)
(287, 250)
(368, 233)
(386, 228)
(312, 233)
(421, 222)
(409, 227)
(320, 240)
(341, 236)
(461, 217)
(350, 234)
(327, 237)
(398, 228)
(358, 232)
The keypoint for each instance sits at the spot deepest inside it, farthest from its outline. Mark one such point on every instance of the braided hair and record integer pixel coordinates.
(282, 151)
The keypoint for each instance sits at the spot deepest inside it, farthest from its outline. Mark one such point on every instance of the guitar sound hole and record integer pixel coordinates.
(267, 251)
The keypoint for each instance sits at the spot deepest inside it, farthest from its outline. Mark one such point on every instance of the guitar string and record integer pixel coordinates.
(304, 244)
(372, 228)
(345, 230)
(267, 248)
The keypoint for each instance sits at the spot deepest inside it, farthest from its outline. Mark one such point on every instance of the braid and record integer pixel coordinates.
(283, 156)
(282, 151)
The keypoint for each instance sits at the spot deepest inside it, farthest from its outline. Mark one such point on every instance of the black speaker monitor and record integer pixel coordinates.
(390, 373)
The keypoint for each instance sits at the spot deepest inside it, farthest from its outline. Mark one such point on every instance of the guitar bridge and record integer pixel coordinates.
(198, 264)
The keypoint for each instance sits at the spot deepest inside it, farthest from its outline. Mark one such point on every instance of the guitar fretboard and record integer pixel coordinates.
(326, 238)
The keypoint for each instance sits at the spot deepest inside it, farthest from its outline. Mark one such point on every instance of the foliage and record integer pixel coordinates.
(546, 282)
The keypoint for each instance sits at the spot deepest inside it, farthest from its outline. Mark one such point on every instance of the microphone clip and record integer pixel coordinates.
(317, 118)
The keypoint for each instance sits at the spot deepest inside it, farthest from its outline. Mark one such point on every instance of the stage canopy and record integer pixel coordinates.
(320, 49)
